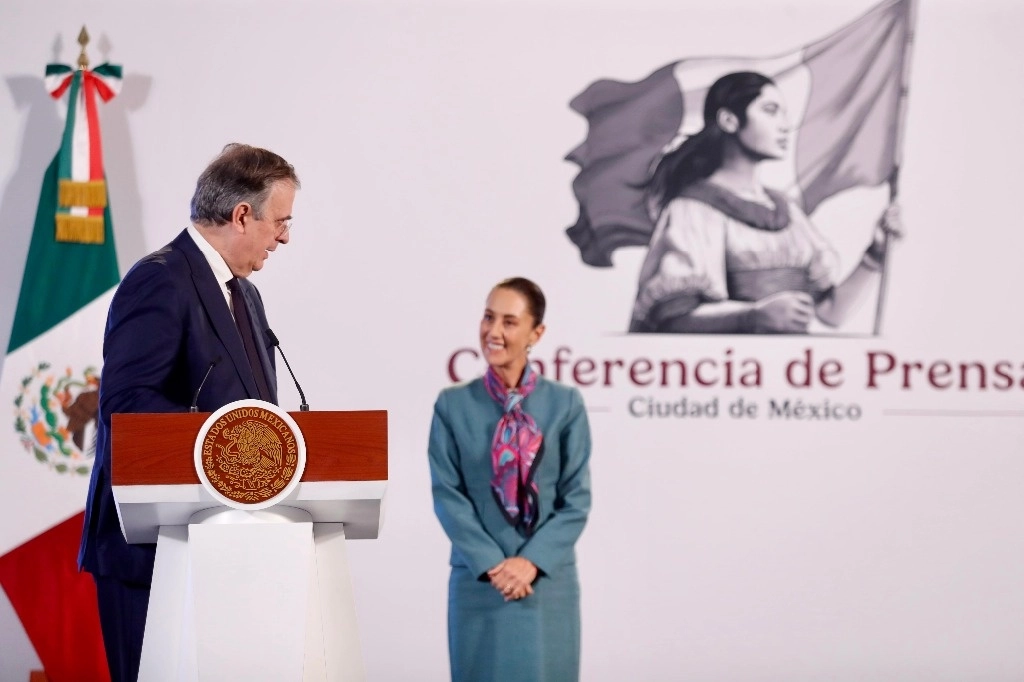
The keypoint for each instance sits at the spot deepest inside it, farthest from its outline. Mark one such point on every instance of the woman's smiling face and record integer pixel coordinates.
(507, 329)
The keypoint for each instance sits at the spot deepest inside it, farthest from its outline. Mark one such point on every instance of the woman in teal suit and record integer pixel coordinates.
(509, 456)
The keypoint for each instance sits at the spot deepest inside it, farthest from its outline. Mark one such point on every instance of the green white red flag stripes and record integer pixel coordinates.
(51, 380)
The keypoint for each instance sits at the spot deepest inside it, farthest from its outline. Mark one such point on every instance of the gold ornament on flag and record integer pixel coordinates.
(82, 187)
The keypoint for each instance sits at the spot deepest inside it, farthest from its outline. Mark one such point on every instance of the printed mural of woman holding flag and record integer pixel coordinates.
(728, 254)
(674, 163)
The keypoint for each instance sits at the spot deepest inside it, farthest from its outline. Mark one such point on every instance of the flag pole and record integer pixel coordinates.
(894, 177)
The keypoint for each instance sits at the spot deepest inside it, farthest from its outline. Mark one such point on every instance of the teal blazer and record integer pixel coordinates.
(460, 470)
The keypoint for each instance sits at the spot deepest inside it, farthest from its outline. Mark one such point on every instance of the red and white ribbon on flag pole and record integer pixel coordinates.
(82, 192)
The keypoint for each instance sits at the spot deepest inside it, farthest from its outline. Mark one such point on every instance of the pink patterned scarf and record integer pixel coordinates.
(514, 451)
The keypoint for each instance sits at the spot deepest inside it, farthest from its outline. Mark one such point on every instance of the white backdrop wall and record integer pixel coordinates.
(430, 138)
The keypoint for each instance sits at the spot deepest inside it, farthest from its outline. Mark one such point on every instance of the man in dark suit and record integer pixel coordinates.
(179, 313)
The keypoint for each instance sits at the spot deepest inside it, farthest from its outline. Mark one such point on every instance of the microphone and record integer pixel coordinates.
(277, 344)
(194, 407)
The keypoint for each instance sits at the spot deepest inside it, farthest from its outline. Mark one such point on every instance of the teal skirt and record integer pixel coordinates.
(536, 639)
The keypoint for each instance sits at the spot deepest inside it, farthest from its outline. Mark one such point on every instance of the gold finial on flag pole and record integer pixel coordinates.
(83, 40)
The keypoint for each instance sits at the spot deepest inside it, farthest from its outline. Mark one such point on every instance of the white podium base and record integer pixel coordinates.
(262, 595)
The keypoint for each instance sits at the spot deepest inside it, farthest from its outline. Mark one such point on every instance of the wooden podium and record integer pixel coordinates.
(253, 595)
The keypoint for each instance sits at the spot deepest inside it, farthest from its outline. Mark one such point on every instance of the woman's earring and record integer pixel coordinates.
(528, 348)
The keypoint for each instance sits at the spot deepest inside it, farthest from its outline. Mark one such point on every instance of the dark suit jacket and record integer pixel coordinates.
(168, 321)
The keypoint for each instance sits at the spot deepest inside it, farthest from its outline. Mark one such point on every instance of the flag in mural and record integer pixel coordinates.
(50, 381)
(844, 94)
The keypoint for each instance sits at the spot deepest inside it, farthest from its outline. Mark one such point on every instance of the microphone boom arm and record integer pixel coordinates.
(303, 407)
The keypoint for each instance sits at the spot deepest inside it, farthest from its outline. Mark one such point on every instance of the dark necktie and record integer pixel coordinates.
(248, 340)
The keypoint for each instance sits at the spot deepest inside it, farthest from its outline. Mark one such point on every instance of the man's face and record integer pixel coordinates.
(260, 237)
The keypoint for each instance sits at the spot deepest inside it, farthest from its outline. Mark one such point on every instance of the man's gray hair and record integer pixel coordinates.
(240, 173)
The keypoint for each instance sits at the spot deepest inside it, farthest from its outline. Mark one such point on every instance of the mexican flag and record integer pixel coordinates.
(846, 97)
(50, 383)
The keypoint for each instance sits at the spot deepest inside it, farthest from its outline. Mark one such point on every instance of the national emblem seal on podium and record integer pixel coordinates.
(250, 454)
